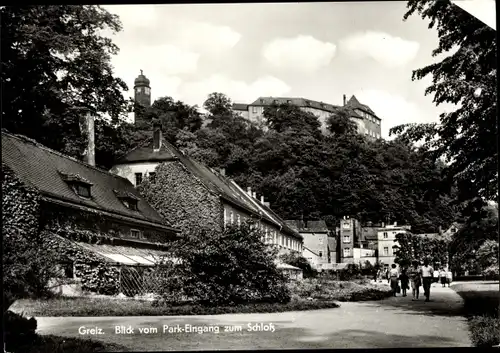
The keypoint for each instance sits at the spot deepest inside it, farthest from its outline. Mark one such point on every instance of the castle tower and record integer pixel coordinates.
(142, 92)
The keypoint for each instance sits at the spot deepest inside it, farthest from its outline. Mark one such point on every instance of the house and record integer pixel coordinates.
(348, 238)
(313, 258)
(315, 234)
(333, 254)
(386, 238)
(194, 196)
(367, 122)
(96, 220)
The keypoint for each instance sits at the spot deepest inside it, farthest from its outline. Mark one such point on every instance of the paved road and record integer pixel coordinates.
(394, 322)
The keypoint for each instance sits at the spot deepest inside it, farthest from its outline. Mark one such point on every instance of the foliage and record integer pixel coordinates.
(55, 62)
(218, 104)
(417, 247)
(229, 267)
(18, 329)
(466, 137)
(487, 254)
(484, 331)
(467, 241)
(327, 289)
(300, 262)
(98, 307)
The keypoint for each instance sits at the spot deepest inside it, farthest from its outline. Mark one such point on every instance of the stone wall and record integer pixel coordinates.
(182, 198)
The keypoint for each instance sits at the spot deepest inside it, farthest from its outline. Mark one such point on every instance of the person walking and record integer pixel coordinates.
(442, 277)
(415, 279)
(449, 277)
(427, 273)
(404, 281)
(394, 279)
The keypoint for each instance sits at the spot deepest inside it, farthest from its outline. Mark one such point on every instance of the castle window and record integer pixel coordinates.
(347, 238)
(386, 251)
(147, 90)
(347, 252)
(138, 178)
(385, 235)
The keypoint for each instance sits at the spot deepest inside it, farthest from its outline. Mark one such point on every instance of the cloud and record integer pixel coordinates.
(303, 53)
(206, 37)
(391, 108)
(133, 15)
(239, 91)
(382, 47)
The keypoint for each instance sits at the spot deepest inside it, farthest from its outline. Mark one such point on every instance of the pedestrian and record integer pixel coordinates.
(427, 273)
(449, 277)
(442, 276)
(436, 277)
(415, 279)
(404, 281)
(394, 279)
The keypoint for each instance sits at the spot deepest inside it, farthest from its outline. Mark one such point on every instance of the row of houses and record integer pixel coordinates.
(353, 243)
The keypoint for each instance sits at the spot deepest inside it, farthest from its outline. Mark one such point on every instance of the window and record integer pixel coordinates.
(152, 177)
(138, 178)
(138, 90)
(346, 225)
(238, 219)
(321, 254)
(386, 251)
(347, 252)
(385, 235)
(147, 90)
(134, 233)
(347, 238)
(231, 217)
(453, 230)
(254, 110)
(130, 204)
(287, 244)
(83, 190)
(320, 241)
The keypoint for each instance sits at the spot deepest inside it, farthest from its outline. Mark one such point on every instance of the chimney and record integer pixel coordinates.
(157, 137)
(395, 224)
(262, 199)
(344, 99)
(254, 195)
(222, 171)
(249, 191)
(383, 225)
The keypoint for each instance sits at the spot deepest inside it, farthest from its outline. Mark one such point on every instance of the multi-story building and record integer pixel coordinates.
(386, 239)
(349, 229)
(195, 196)
(316, 247)
(365, 119)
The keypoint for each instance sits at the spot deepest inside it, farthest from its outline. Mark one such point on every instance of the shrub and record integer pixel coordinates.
(300, 262)
(18, 329)
(484, 331)
(226, 268)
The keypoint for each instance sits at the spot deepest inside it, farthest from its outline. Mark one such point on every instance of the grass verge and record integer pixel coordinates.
(56, 344)
(113, 307)
(481, 303)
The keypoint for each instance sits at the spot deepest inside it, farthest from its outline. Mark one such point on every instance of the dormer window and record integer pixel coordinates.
(128, 199)
(80, 185)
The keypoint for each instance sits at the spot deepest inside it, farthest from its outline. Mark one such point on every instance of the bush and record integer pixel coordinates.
(226, 268)
(18, 329)
(484, 331)
(300, 262)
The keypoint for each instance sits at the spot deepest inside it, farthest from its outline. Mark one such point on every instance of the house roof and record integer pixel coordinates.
(308, 227)
(222, 186)
(368, 233)
(240, 106)
(355, 104)
(301, 102)
(45, 169)
(312, 252)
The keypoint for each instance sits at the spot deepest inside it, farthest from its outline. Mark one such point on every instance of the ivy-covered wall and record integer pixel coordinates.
(183, 199)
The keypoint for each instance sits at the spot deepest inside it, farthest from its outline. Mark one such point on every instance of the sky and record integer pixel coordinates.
(318, 51)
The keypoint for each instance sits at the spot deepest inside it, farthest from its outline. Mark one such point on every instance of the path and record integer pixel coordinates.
(394, 322)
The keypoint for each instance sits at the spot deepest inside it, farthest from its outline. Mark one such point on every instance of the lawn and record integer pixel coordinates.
(481, 305)
(343, 291)
(56, 344)
(114, 307)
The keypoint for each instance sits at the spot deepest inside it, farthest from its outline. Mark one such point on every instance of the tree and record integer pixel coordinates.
(340, 123)
(54, 61)
(416, 247)
(466, 137)
(218, 104)
(230, 267)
